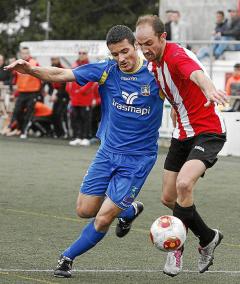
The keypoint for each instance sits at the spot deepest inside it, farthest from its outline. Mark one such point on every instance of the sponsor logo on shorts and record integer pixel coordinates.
(128, 200)
(199, 148)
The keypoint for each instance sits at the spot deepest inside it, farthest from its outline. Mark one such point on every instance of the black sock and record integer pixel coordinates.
(194, 222)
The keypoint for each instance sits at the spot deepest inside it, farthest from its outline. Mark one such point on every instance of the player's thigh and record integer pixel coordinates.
(177, 154)
(169, 192)
(97, 178)
(88, 205)
(206, 147)
(106, 215)
(190, 172)
(127, 181)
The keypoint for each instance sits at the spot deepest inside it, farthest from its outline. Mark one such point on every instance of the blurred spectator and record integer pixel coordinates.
(233, 82)
(179, 29)
(60, 99)
(168, 17)
(81, 106)
(221, 26)
(41, 122)
(81, 112)
(29, 90)
(82, 58)
(5, 76)
(13, 73)
(232, 32)
(221, 23)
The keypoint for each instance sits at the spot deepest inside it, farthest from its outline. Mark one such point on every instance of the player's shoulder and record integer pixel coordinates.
(109, 63)
(175, 51)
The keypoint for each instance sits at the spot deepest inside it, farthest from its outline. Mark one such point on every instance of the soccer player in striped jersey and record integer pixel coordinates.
(198, 137)
(131, 117)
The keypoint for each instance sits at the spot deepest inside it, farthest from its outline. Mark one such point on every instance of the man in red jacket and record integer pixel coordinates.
(81, 106)
(81, 112)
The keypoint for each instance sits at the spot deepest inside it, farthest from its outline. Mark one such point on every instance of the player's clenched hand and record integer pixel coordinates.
(216, 96)
(19, 65)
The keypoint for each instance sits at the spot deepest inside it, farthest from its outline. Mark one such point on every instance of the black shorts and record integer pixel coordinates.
(203, 147)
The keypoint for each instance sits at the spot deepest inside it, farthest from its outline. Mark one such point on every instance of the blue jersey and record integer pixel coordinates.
(131, 106)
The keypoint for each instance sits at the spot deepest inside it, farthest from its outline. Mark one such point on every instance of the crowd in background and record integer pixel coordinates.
(59, 110)
(29, 106)
(226, 29)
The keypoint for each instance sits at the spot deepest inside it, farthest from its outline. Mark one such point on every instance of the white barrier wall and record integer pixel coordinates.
(232, 146)
(232, 122)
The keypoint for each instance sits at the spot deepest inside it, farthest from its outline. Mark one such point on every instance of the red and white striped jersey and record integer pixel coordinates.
(173, 75)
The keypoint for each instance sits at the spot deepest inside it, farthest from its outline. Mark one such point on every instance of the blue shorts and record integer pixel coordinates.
(118, 176)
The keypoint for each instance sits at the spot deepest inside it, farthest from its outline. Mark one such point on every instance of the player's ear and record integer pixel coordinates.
(163, 35)
(136, 46)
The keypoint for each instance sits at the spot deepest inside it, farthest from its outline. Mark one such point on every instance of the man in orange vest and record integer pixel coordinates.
(29, 89)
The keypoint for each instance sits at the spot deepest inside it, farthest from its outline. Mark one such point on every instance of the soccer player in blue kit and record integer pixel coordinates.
(131, 117)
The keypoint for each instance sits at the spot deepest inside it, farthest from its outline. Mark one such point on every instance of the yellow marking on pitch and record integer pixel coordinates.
(84, 221)
(28, 278)
(61, 218)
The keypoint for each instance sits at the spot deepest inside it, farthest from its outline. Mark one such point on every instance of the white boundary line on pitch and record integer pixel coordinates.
(118, 270)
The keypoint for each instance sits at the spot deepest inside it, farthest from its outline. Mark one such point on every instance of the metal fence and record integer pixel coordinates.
(197, 44)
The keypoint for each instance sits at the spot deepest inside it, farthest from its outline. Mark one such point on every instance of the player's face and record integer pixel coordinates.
(125, 54)
(151, 44)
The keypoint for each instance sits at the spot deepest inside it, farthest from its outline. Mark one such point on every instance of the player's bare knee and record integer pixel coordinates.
(83, 212)
(184, 186)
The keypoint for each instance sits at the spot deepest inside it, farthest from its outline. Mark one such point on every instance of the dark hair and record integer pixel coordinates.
(119, 33)
(154, 21)
(236, 66)
(25, 47)
(220, 13)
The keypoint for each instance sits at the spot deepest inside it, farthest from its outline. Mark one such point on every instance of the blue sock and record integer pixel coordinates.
(128, 213)
(87, 240)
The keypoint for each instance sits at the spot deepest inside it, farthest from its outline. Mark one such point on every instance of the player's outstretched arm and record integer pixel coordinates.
(208, 88)
(51, 74)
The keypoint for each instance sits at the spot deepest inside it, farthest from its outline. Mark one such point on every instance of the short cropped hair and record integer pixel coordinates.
(236, 66)
(220, 13)
(119, 33)
(154, 21)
